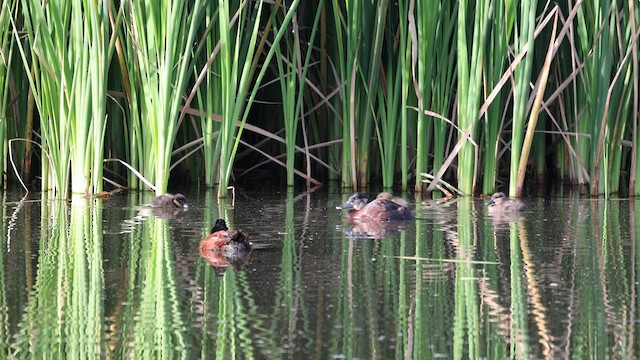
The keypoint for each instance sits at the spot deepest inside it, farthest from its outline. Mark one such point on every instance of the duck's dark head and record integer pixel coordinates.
(240, 237)
(180, 200)
(219, 226)
(356, 202)
(496, 199)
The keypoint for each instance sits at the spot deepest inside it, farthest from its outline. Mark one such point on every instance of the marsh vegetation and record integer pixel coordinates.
(475, 93)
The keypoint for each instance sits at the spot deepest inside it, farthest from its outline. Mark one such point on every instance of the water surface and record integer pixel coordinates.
(107, 278)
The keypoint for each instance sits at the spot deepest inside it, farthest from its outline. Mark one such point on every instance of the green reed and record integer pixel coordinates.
(522, 77)
(501, 30)
(427, 23)
(236, 74)
(392, 99)
(383, 61)
(470, 60)
(163, 35)
(594, 29)
(7, 9)
(209, 103)
(69, 55)
(358, 55)
(435, 72)
(634, 186)
(292, 77)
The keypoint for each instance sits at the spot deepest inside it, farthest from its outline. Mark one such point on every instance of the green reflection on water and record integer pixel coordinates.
(460, 286)
(157, 328)
(64, 315)
(230, 323)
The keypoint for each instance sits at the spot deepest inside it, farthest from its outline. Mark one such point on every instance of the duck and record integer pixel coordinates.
(228, 243)
(500, 204)
(169, 201)
(379, 209)
(398, 200)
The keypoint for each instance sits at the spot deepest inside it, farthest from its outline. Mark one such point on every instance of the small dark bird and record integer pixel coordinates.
(230, 243)
(379, 209)
(170, 200)
(500, 204)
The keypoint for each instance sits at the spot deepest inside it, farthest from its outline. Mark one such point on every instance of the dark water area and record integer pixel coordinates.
(112, 279)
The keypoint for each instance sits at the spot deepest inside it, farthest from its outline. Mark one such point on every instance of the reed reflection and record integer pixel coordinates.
(156, 328)
(466, 320)
(227, 306)
(64, 314)
(223, 247)
(4, 291)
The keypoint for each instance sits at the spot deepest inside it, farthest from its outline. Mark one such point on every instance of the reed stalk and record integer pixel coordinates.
(470, 63)
(7, 10)
(435, 81)
(424, 47)
(163, 35)
(70, 58)
(535, 111)
(523, 42)
(358, 57)
(234, 73)
(634, 185)
(594, 32)
(391, 100)
(207, 99)
(236, 98)
(504, 13)
(368, 45)
(292, 77)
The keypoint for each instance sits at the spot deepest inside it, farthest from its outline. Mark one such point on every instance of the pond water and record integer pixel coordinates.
(106, 278)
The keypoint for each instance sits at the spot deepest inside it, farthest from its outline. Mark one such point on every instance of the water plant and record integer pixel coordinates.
(384, 92)
(469, 70)
(69, 53)
(162, 34)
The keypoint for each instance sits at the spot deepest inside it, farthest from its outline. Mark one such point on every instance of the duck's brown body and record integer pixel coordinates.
(379, 209)
(169, 201)
(229, 243)
(500, 204)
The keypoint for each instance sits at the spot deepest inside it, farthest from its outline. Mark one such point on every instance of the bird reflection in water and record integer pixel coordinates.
(224, 247)
(385, 216)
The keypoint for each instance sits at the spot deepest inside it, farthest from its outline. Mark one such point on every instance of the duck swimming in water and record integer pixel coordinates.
(398, 200)
(169, 200)
(500, 204)
(379, 209)
(229, 243)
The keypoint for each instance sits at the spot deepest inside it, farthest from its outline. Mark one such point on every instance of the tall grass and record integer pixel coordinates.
(501, 31)
(209, 102)
(435, 81)
(470, 60)
(292, 77)
(522, 77)
(69, 62)
(162, 39)
(6, 55)
(392, 88)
